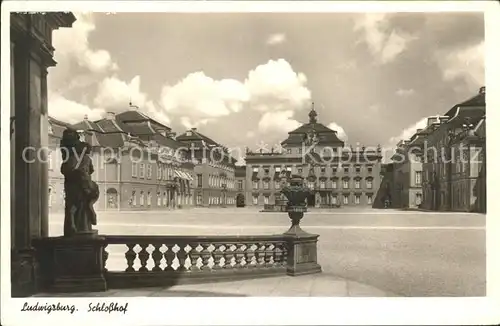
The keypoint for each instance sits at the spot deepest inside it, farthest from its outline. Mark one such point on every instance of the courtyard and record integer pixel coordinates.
(399, 253)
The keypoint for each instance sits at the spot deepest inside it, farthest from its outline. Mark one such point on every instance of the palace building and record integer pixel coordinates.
(337, 175)
(138, 164)
(214, 170)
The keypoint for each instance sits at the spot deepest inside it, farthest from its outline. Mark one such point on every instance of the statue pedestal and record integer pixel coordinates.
(72, 264)
(302, 256)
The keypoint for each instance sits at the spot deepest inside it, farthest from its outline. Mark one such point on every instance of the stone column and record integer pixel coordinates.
(44, 172)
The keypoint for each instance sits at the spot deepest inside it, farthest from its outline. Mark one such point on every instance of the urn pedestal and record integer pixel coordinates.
(72, 264)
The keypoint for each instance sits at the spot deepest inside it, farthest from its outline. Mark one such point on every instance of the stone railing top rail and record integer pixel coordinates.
(118, 239)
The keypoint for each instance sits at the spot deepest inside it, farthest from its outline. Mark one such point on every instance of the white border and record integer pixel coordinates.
(270, 311)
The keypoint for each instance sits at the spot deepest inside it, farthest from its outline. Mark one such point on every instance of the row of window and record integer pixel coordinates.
(322, 184)
(145, 171)
(215, 181)
(356, 199)
(165, 199)
(322, 169)
(215, 200)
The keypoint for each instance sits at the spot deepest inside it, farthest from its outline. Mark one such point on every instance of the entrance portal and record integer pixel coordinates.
(310, 200)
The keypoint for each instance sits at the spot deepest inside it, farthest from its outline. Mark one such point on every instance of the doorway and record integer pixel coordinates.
(310, 200)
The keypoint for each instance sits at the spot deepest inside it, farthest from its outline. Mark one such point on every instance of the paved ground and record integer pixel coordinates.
(403, 253)
(318, 285)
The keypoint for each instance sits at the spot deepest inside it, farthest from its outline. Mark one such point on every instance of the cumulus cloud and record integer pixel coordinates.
(276, 38)
(200, 99)
(341, 134)
(71, 111)
(466, 64)
(73, 44)
(114, 95)
(278, 121)
(406, 133)
(383, 42)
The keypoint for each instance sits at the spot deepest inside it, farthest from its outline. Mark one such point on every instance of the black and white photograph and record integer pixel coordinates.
(183, 153)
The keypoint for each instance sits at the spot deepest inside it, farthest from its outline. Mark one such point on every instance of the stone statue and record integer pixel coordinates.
(81, 191)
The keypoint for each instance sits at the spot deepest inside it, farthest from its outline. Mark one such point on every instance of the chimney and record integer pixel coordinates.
(431, 120)
(419, 130)
(482, 90)
(85, 117)
(110, 115)
(194, 129)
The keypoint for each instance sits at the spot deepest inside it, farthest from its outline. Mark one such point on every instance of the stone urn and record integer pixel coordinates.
(296, 194)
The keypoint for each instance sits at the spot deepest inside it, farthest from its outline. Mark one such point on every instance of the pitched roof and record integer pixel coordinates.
(193, 136)
(476, 102)
(326, 136)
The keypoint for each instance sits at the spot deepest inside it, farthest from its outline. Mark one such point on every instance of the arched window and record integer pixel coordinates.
(111, 198)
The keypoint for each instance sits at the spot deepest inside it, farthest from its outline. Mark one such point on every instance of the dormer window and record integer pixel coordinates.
(189, 133)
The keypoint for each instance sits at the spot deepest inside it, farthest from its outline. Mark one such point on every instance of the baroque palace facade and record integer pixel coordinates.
(444, 165)
(140, 165)
(338, 176)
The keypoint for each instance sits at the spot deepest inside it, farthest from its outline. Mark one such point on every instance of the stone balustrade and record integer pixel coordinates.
(170, 260)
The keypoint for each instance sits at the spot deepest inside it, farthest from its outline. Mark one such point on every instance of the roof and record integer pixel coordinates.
(477, 101)
(193, 136)
(326, 136)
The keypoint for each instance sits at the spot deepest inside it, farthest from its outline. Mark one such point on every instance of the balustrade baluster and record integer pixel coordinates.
(157, 255)
(239, 255)
(143, 257)
(218, 254)
(182, 256)
(259, 255)
(105, 256)
(194, 254)
(169, 258)
(284, 258)
(278, 256)
(130, 257)
(268, 254)
(249, 254)
(228, 256)
(205, 256)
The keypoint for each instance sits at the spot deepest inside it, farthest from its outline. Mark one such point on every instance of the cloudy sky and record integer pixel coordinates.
(243, 78)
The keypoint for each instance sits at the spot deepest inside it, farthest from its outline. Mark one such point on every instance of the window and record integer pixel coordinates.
(149, 198)
(346, 169)
(334, 200)
(277, 169)
(255, 199)
(134, 169)
(141, 199)
(346, 184)
(199, 180)
(322, 184)
(150, 171)
(266, 200)
(299, 170)
(164, 198)
(346, 199)
(277, 185)
(198, 199)
(289, 151)
(310, 184)
(158, 198)
(255, 169)
(369, 169)
(358, 169)
(240, 184)
(50, 197)
(334, 184)
(322, 169)
(289, 168)
(300, 150)
(141, 170)
(369, 184)
(256, 185)
(369, 199)
(266, 185)
(357, 184)
(133, 199)
(418, 178)
(159, 169)
(334, 169)
(266, 171)
(357, 199)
